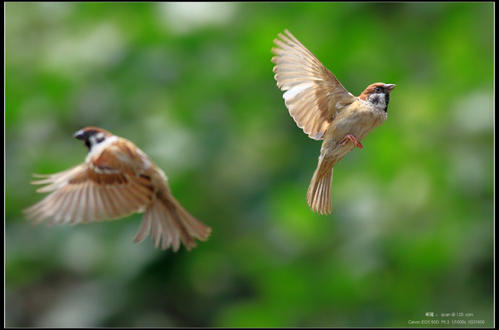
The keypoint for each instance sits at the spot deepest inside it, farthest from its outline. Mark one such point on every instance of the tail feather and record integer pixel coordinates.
(169, 223)
(319, 191)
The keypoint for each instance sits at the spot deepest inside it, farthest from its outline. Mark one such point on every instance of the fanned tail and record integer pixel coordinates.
(319, 191)
(169, 224)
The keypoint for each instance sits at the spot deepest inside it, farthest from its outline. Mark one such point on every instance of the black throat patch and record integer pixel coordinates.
(387, 99)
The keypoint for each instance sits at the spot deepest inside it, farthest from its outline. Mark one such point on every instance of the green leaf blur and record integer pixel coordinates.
(192, 85)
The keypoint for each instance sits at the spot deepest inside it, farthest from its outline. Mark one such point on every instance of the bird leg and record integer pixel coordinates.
(353, 139)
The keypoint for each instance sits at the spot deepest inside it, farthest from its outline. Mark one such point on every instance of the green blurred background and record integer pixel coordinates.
(192, 85)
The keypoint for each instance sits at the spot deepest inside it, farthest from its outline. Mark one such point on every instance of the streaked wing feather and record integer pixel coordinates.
(156, 228)
(145, 228)
(91, 204)
(312, 92)
(82, 194)
(77, 204)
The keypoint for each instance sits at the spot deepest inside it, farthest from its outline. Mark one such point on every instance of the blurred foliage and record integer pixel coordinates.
(192, 85)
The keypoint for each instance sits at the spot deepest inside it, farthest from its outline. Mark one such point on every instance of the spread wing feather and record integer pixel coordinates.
(85, 194)
(312, 95)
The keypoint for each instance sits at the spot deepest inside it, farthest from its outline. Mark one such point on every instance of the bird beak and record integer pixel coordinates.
(390, 87)
(80, 135)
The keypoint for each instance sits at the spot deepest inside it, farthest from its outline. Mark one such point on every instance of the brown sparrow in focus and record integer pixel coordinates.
(325, 110)
(117, 179)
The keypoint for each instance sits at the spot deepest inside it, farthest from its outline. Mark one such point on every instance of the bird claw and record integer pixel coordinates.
(353, 139)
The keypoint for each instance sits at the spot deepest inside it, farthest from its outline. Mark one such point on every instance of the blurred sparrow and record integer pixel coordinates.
(325, 110)
(117, 179)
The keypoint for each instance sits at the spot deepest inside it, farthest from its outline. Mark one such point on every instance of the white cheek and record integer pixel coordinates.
(380, 98)
(97, 148)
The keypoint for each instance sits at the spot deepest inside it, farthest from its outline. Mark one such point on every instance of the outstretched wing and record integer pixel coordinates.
(91, 193)
(313, 94)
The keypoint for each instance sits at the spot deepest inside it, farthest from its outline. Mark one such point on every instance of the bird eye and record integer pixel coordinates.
(378, 89)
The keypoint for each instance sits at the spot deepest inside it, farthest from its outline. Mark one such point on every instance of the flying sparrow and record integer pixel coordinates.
(117, 179)
(325, 110)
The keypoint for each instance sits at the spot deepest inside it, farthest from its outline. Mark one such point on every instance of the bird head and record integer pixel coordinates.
(92, 136)
(378, 94)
